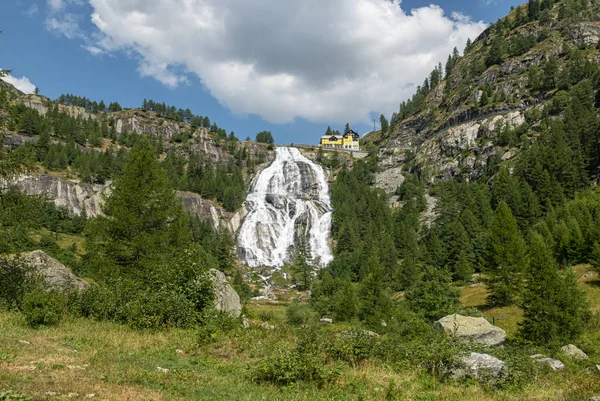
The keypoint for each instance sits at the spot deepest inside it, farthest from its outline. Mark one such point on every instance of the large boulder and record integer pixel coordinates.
(54, 274)
(226, 299)
(478, 366)
(475, 329)
(573, 352)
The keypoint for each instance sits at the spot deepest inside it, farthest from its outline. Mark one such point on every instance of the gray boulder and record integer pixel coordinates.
(554, 364)
(478, 366)
(54, 274)
(475, 329)
(573, 352)
(226, 299)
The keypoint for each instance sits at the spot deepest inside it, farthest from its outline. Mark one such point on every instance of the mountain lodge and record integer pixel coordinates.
(349, 141)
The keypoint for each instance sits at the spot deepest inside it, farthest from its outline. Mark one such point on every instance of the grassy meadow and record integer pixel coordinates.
(86, 359)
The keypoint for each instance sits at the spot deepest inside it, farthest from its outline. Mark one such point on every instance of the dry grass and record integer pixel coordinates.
(114, 362)
(507, 318)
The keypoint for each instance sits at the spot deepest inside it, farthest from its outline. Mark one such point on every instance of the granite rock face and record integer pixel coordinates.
(55, 275)
(475, 329)
(574, 352)
(226, 299)
(71, 194)
(77, 196)
(478, 366)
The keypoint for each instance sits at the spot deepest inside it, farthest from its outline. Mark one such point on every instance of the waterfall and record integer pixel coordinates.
(288, 204)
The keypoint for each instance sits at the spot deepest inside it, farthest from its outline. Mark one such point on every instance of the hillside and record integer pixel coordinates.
(482, 107)
(465, 248)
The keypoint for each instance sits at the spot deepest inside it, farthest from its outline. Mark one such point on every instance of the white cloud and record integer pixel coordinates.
(66, 24)
(56, 4)
(323, 60)
(33, 10)
(23, 84)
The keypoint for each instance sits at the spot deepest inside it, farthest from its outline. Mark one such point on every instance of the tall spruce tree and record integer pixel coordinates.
(143, 223)
(506, 258)
(556, 310)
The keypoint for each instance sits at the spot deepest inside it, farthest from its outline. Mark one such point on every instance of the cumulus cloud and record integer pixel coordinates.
(322, 60)
(23, 84)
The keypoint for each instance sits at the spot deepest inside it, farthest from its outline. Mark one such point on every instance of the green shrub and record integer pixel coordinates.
(159, 308)
(297, 314)
(432, 351)
(99, 302)
(16, 281)
(10, 395)
(354, 347)
(43, 308)
(308, 362)
(215, 325)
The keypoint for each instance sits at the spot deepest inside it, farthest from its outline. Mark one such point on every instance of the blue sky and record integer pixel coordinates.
(288, 69)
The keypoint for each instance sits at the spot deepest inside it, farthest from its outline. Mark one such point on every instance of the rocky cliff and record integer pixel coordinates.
(77, 196)
(456, 130)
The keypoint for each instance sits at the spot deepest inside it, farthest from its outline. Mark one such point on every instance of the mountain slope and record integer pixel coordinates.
(457, 125)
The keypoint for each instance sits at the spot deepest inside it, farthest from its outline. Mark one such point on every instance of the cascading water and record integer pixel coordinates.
(288, 205)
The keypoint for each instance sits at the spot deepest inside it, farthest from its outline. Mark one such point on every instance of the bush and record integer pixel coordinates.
(308, 362)
(43, 308)
(298, 314)
(10, 395)
(214, 325)
(353, 347)
(16, 281)
(159, 308)
(98, 302)
(434, 352)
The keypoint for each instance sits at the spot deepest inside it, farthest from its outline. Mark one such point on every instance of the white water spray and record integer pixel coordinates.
(288, 204)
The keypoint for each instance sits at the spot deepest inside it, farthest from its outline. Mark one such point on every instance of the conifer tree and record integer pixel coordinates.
(468, 46)
(506, 258)
(556, 310)
(496, 51)
(385, 126)
(433, 295)
(143, 220)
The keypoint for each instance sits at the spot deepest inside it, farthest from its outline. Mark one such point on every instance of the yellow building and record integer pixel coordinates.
(348, 141)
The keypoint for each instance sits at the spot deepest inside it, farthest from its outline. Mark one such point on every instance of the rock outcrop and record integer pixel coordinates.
(55, 275)
(574, 352)
(552, 363)
(41, 104)
(475, 329)
(226, 299)
(71, 194)
(478, 366)
(77, 196)
(389, 180)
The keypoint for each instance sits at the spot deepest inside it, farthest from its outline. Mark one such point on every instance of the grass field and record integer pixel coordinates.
(85, 359)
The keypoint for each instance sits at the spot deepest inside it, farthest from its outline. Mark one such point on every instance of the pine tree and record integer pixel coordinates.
(506, 258)
(468, 46)
(433, 295)
(143, 220)
(385, 126)
(496, 51)
(555, 309)
(533, 10)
